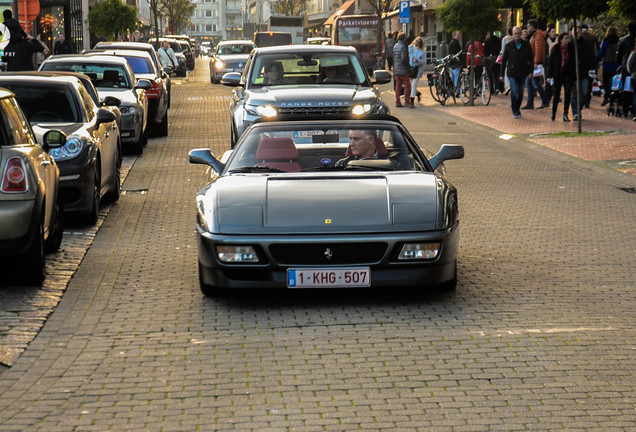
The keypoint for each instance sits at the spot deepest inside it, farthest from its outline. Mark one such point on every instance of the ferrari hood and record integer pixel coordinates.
(313, 95)
(313, 204)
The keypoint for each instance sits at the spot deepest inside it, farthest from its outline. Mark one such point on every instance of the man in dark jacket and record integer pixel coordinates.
(455, 47)
(15, 30)
(401, 70)
(18, 55)
(492, 48)
(625, 47)
(587, 61)
(62, 46)
(518, 61)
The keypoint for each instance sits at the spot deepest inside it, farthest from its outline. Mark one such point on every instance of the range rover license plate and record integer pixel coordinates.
(329, 277)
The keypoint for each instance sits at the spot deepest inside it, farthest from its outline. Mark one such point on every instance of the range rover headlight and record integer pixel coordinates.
(261, 110)
(361, 109)
(219, 64)
(71, 149)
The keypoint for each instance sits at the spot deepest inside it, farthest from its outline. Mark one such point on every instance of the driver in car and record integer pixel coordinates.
(363, 146)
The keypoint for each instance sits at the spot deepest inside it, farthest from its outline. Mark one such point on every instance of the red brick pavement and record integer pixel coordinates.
(616, 147)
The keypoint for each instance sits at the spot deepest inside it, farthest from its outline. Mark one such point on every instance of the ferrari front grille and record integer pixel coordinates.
(328, 253)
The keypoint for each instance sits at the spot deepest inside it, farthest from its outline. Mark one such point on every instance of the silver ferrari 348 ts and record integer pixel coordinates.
(327, 204)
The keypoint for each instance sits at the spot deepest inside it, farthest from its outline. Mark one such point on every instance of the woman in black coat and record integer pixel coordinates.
(561, 69)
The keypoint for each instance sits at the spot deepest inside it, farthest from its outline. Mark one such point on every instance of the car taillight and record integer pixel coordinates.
(14, 179)
(154, 92)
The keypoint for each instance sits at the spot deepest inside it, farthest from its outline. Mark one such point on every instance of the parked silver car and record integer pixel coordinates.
(30, 215)
(112, 76)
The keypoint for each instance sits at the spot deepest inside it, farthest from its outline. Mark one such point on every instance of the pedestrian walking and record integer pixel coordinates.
(492, 48)
(455, 47)
(517, 61)
(536, 37)
(62, 46)
(561, 71)
(608, 60)
(401, 71)
(417, 56)
(19, 54)
(389, 44)
(505, 85)
(631, 68)
(587, 61)
(587, 33)
(626, 45)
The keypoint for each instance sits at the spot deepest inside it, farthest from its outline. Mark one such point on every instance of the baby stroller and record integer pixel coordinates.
(614, 107)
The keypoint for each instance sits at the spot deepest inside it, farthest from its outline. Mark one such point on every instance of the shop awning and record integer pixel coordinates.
(346, 9)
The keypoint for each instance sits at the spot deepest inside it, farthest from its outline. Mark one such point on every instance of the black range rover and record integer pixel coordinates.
(295, 81)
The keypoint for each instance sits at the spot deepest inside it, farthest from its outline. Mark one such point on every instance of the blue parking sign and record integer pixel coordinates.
(405, 12)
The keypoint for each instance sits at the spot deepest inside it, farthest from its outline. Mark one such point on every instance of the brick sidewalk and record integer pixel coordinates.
(615, 148)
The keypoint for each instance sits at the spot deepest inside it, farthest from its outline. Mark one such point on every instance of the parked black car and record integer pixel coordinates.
(90, 159)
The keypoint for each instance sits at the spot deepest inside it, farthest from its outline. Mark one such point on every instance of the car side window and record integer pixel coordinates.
(17, 126)
(89, 104)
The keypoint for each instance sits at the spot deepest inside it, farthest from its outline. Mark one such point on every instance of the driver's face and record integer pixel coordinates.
(362, 146)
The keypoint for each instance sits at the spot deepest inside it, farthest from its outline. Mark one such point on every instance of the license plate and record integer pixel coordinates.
(329, 277)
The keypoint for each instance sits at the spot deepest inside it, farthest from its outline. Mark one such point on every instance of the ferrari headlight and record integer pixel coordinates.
(261, 110)
(219, 64)
(71, 149)
(361, 109)
(236, 254)
(419, 251)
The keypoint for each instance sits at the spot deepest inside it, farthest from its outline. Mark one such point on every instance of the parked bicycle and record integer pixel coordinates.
(440, 81)
(481, 85)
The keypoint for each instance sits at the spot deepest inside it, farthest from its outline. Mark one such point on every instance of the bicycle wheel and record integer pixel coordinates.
(442, 92)
(486, 93)
(432, 86)
(448, 82)
(464, 91)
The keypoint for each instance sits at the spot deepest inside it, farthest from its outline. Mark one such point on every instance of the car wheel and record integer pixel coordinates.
(450, 285)
(33, 260)
(91, 216)
(212, 79)
(161, 128)
(54, 241)
(210, 290)
(115, 192)
(137, 148)
(182, 73)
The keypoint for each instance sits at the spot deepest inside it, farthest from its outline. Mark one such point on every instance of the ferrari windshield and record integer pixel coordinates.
(350, 146)
(307, 68)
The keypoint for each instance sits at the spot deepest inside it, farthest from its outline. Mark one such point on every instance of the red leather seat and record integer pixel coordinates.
(278, 153)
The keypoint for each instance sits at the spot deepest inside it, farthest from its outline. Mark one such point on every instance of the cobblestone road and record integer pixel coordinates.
(540, 334)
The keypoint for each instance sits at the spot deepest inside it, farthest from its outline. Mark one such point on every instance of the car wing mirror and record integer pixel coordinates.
(447, 152)
(231, 79)
(205, 157)
(53, 139)
(381, 77)
(105, 116)
(168, 70)
(111, 101)
(143, 84)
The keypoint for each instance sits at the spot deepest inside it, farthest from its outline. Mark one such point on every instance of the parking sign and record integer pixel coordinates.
(405, 12)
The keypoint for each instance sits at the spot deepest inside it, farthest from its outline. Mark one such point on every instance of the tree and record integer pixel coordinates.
(288, 7)
(623, 8)
(178, 13)
(156, 9)
(473, 18)
(111, 18)
(380, 7)
(570, 10)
